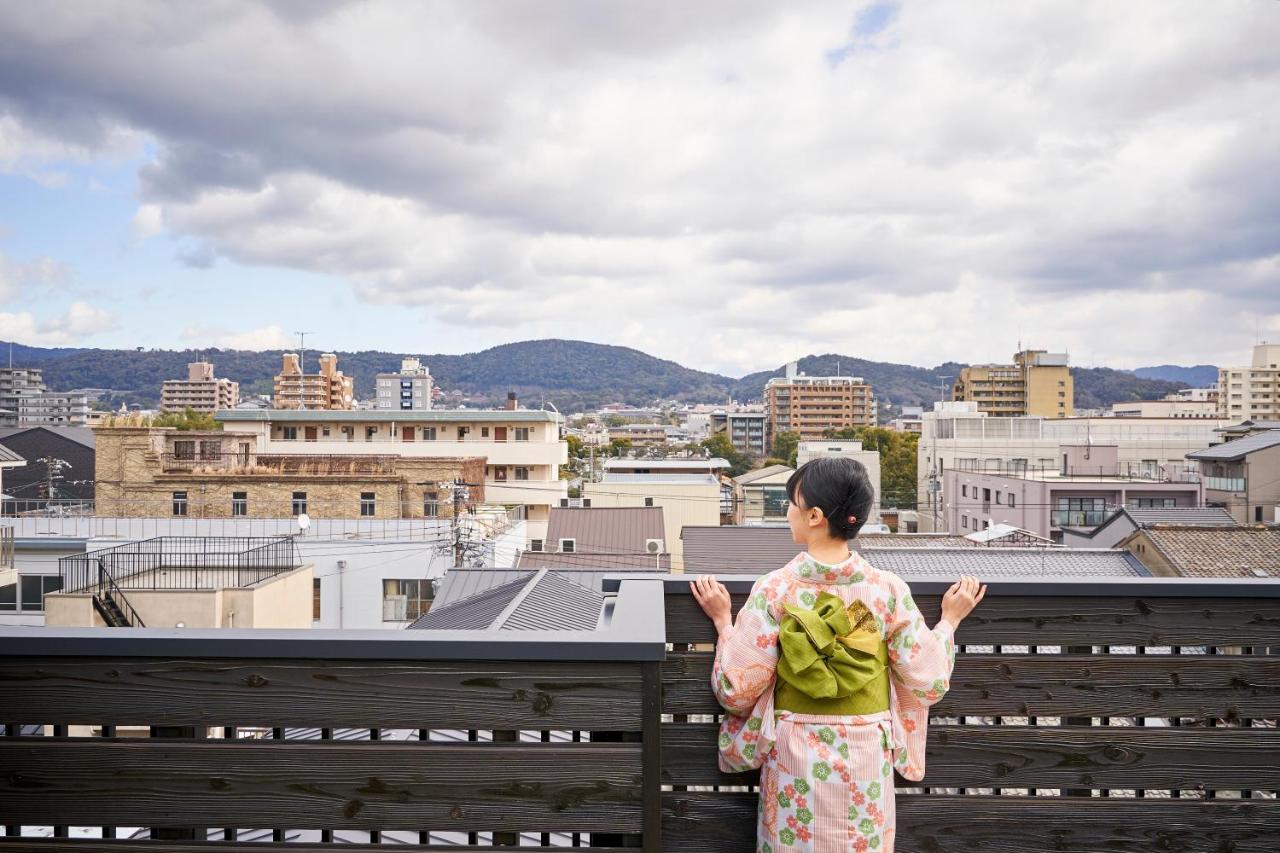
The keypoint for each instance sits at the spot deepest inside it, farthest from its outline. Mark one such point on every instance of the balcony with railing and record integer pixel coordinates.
(291, 465)
(1082, 716)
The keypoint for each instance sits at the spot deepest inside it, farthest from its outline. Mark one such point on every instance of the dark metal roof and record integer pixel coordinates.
(1234, 451)
(614, 562)
(80, 435)
(542, 601)
(460, 584)
(605, 530)
(7, 455)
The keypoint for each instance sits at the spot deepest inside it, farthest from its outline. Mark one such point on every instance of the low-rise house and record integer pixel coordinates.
(1243, 475)
(1125, 520)
(1173, 550)
(611, 537)
(760, 496)
(27, 488)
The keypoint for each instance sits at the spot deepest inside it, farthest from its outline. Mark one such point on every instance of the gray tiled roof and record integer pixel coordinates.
(1005, 562)
(541, 601)
(1217, 552)
(1232, 451)
(1201, 515)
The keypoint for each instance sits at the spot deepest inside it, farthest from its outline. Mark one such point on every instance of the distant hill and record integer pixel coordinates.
(1200, 376)
(573, 375)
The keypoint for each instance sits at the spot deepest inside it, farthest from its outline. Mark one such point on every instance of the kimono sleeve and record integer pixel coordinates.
(921, 658)
(747, 655)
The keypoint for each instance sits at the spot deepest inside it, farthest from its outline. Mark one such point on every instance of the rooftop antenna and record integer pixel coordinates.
(302, 369)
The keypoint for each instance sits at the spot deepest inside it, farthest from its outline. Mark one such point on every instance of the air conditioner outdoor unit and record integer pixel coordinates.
(653, 546)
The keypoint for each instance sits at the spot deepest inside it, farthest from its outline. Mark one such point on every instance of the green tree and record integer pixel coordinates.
(898, 459)
(576, 446)
(719, 445)
(786, 446)
(619, 446)
(186, 419)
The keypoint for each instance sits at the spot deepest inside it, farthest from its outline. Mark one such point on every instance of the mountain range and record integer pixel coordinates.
(573, 375)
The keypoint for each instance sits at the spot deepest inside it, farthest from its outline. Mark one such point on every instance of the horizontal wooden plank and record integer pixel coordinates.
(107, 845)
(1226, 687)
(321, 784)
(725, 823)
(1052, 757)
(1067, 621)
(582, 695)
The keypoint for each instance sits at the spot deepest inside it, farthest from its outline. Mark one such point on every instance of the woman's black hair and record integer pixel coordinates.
(840, 488)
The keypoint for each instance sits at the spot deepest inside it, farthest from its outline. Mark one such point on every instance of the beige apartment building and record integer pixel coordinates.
(1243, 475)
(1037, 383)
(522, 449)
(148, 472)
(1253, 392)
(328, 389)
(811, 405)
(200, 391)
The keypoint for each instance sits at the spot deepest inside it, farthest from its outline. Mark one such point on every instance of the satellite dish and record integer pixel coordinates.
(304, 521)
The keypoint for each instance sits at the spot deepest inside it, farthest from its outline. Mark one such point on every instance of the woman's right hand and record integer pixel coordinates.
(959, 601)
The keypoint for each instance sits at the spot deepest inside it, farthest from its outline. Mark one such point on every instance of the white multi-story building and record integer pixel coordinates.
(746, 431)
(523, 448)
(408, 390)
(956, 435)
(53, 409)
(1251, 393)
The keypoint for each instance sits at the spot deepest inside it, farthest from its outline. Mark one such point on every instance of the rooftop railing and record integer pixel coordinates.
(182, 562)
(1082, 716)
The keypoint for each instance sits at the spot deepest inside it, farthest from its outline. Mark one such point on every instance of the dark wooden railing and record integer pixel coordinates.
(1197, 770)
(1096, 716)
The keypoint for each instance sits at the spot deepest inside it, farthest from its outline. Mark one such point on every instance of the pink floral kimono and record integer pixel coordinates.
(826, 782)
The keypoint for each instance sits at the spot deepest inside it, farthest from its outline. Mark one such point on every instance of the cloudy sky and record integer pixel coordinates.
(727, 184)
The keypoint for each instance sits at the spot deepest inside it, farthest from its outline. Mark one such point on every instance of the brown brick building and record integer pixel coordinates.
(157, 472)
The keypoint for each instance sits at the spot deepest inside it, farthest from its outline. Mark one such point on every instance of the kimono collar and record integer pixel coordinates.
(852, 570)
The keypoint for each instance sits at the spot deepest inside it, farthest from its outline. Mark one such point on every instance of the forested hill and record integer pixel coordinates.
(574, 375)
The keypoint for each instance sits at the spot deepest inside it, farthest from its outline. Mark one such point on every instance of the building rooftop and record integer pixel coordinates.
(606, 530)
(666, 464)
(658, 478)
(78, 434)
(762, 474)
(399, 416)
(541, 601)
(1183, 515)
(8, 457)
(463, 583)
(1218, 552)
(1005, 562)
(1234, 451)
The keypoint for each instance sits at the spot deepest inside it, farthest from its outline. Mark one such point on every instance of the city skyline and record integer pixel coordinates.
(729, 188)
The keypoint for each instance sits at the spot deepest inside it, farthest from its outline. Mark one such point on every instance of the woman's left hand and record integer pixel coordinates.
(713, 598)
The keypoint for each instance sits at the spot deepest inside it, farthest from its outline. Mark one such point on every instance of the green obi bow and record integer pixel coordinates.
(833, 660)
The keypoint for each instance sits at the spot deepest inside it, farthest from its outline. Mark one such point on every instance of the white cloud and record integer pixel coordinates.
(25, 280)
(730, 185)
(265, 338)
(80, 322)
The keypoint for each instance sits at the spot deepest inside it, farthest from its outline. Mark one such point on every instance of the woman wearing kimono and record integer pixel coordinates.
(828, 674)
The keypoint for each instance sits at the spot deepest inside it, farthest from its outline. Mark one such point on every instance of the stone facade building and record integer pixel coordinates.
(160, 471)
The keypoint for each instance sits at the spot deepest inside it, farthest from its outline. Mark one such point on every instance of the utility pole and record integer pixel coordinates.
(52, 472)
(460, 492)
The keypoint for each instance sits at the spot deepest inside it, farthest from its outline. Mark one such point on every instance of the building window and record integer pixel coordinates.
(9, 598)
(289, 433)
(484, 432)
(999, 497)
(370, 432)
(586, 503)
(522, 473)
(964, 522)
(239, 503)
(521, 433)
(500, 473)
(431, 504)
(1257, 514)
(535, 545)
(964, 491)
(405, 599)
(315, 599)
(368, 504)
(1153, 503)
(428, 433)
(299, 503)
(648, 501)
(324, 430)
(184, 450)
(179, 503)
(1013, 502)
(34, 589)
(568, 546)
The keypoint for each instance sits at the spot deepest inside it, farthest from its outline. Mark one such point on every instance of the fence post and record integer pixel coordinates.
(651, 755)
(179, 833)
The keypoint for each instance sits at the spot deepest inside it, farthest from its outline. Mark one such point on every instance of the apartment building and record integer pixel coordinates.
(1243, 475)
(1037, 383)
(1080, 491)
(957, 434)
(53, 408)
(408, 390)
(160, 471)
(748, 432)
(811, 405)
(1172, 406)
(640, 435)
(329, 389)
(16, 383)
(200, 391)
(1249, 393)
(522, 449)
